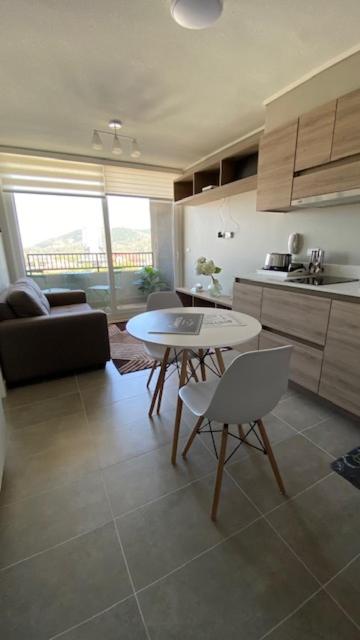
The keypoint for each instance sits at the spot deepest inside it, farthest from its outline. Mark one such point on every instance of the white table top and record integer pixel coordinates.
(219, 336)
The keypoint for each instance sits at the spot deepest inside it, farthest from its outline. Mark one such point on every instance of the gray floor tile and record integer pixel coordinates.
(241, 588)
(322, 525)
(337, 435)
(40, 391)
(122, 622)
(32, 525)
(161, 536)
(61, 587)
(120, 388)
(27, 415)
(133, 483)
(48, 469)
(318, 619)
(117, 441)
(300, 463)
(56, 432)
(99, 377)
(346, 589)
(301, 411)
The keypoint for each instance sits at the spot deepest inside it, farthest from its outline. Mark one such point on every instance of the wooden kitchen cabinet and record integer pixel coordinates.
(340, 377)
(305, 363)
(247, 299)
(276, 168)
(315, 135)
(300, 315)
(346, 140)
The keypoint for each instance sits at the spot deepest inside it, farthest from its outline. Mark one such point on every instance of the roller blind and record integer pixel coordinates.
(148, 183)
(32, 173)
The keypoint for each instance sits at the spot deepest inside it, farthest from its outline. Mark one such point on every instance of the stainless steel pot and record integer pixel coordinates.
(277, 261)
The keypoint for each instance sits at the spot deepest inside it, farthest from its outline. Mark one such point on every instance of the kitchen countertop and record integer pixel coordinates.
(343, 290)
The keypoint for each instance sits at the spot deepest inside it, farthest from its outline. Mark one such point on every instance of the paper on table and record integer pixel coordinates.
(222, 320)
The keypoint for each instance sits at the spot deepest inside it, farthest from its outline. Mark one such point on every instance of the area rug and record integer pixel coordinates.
(348, 467)
(127, 353)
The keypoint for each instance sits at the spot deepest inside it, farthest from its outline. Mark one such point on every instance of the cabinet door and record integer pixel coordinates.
(347, 126)
(298, 314)
(247, 299)
(315, 136)
(340, 377)
(276, 168)
(305, 363)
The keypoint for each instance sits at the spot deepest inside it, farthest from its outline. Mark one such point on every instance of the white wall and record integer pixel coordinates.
(336, 229)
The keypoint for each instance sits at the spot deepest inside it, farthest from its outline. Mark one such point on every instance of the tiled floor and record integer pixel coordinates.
(101, 538)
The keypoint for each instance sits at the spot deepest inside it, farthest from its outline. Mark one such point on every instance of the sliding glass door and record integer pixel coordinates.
(130, 235)
(89, 243)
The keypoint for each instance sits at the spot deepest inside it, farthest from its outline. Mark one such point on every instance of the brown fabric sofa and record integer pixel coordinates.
(64, 336)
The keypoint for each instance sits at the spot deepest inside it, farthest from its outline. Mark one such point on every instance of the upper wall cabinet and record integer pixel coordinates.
(347, 126)
(276, 168)
(315, 135)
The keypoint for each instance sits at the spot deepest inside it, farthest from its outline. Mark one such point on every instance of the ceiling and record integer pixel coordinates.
(68, 66)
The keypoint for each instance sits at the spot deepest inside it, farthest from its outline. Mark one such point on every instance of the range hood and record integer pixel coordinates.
(327, 199)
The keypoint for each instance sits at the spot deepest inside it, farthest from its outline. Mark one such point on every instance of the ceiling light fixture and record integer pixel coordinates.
(115, 124)
(135, 151)
(196, 14)
(96, 141)
(117, 147)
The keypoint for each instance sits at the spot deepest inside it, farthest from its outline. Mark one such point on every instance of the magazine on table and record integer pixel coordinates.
(178, 323)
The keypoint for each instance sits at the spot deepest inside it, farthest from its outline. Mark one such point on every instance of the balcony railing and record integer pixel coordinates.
(68, 262)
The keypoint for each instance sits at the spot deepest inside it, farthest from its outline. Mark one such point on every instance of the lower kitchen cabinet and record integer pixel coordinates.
(247, 299)
(305, 363)
(340, 378)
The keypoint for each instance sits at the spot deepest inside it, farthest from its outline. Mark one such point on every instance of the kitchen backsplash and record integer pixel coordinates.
(335, 229)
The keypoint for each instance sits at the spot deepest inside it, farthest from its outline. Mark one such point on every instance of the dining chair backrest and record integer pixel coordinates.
(163, 300)
(251, 386)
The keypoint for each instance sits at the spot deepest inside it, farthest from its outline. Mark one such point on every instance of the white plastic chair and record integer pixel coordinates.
(251, 387)
(156, 301)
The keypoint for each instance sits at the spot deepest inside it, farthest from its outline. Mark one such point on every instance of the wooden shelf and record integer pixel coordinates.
(232, 171)
(202, 298)
(230, 189)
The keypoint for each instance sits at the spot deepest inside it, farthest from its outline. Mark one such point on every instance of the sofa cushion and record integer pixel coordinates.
(35, 287)
(6, 312)
(25, 301)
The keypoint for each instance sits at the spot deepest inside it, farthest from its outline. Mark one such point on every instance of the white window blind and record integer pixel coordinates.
(148, 183)
(48, 175)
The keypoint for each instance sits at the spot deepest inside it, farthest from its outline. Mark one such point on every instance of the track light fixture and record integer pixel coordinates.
(117, 149)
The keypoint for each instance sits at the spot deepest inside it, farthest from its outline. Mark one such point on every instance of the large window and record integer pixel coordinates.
(66, 245)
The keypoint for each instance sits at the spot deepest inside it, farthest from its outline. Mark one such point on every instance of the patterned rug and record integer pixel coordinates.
(348, 467)
(127, 353)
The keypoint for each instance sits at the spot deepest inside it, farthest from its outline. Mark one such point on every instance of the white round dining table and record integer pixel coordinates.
(140, 327)
(244, 328)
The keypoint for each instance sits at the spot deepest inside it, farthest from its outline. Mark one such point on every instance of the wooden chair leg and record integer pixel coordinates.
(270, 453)
(219, 473)
(179, 407)
(220, 361)
(192, 436)
(161, 389)
(202, 365)
(193, 372)
(160, 381)
(151, 373)
(241, 432)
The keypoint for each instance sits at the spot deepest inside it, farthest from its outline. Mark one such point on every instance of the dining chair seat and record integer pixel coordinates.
(197, 396)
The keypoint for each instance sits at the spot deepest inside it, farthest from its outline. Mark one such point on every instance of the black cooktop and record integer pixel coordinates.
(318, 280)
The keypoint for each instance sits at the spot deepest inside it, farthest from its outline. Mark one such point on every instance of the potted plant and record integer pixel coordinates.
(150, 280)
(206, 267)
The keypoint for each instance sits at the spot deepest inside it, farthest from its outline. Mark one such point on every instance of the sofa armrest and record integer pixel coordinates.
(47, 345)
(57, 299)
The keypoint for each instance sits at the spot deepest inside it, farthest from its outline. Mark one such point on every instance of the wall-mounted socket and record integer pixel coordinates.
(226, 235)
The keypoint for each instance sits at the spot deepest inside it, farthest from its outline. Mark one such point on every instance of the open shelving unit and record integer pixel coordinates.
(228, 173)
